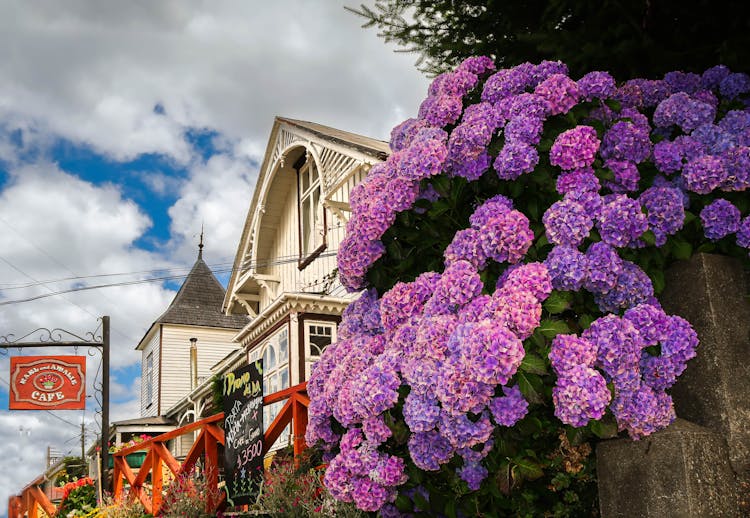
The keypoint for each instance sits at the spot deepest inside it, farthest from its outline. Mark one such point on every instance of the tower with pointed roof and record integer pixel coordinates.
(194, 313)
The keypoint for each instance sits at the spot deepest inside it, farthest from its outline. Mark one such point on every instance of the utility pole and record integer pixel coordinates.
(83, 441)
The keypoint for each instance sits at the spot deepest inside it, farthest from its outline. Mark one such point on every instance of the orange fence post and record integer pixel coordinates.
(156, 481)
(294, 412)
(299, 425)
(14, 507)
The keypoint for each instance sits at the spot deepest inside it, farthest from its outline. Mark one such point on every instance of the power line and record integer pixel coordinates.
(18, 286)
(57, 293)
(257, 264)
(216, 268)
(56, 261)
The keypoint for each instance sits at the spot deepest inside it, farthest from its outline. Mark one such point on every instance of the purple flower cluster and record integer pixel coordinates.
(666, 212)
(640, 405)
(621, 221)
(597, 85)
(575, 148)
(720, 218)
(567, 223)
(444, 349)
(560, 92)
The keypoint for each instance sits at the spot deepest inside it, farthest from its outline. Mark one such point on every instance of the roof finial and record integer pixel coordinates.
(200, 245)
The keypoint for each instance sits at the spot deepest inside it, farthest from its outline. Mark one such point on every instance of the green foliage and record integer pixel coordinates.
(125, 508)
(79, 501)
(217, 392)
(73, 469)
(628, 39)
(535, 470)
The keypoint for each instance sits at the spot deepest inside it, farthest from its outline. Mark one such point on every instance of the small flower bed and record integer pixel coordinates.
(114, 448)
(188, 495)
(512, 249)
(79, 498)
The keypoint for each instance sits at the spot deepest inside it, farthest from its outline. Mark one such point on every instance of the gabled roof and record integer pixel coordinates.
(198, 303)
(371, 146)
(347, 152)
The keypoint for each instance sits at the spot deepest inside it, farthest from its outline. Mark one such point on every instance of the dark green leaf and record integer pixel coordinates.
(529, 469)
(649, 238)
(551, 328)
(706, 248)
(682, 250)
(505, 478)
(450, 509)
(420, 502)
(657, 277)
(538, 339)
(557, 302)
(533, 364)
(576, 436)
(404, 504)
(604, 428)
(585, 321)
(531, 387)
(529, 425)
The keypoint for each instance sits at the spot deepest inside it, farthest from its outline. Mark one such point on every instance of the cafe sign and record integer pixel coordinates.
(47, 383)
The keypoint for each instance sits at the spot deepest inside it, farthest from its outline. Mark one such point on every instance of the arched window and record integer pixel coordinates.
(275, 354)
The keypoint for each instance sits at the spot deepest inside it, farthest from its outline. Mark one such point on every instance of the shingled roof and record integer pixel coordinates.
(198, 303)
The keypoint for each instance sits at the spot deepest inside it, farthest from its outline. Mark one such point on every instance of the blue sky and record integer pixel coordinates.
(124, 127)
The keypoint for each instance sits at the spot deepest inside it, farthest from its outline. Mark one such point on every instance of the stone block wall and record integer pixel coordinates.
(700, 465)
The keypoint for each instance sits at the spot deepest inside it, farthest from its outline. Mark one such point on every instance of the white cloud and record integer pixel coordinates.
(57, 226)
(95, 75)
(216, 196)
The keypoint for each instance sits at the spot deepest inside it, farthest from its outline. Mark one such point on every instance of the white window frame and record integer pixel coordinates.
(311, 352)
(149, 379)
(311, 216)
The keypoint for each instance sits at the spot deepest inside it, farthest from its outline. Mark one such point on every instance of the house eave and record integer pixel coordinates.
(286, 302)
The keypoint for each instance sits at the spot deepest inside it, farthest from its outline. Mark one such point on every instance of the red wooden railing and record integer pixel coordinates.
(158, 457)
(29, 502)
(294, 412)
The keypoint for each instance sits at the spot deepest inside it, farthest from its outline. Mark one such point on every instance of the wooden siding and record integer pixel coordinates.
(150, 408)
(213, 345)
(282, 241)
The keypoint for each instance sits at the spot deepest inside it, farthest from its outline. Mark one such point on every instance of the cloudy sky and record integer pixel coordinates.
(124, 126)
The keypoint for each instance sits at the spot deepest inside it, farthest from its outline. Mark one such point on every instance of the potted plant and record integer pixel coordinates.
(135, 459)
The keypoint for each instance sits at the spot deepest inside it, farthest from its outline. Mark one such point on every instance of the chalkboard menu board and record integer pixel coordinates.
(243, 432)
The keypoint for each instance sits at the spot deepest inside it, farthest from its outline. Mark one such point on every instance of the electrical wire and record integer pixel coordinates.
(215, 267)
(52, 293)
(254, 264)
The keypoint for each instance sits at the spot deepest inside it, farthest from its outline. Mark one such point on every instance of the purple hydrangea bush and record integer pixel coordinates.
(510, 250)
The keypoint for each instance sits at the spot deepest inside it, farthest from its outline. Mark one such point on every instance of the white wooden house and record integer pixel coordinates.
(284, 281)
